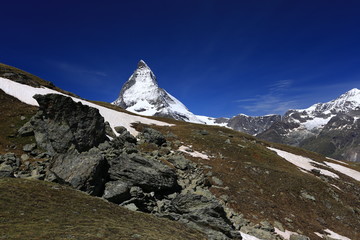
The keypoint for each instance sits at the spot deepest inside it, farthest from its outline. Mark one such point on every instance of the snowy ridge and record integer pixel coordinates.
(25, 94)
(318, 115)
(141, 94)
(346, 102)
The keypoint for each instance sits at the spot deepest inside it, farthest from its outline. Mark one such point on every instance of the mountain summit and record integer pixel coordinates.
(142, 94)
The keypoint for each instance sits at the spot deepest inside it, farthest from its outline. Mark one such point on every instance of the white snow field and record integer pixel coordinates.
(307, 164)
(332, 235)
(303, 163)
(25, 94)
(345, 170)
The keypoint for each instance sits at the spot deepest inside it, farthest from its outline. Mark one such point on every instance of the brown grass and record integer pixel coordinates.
(11, 110)
(38, 210)
(262, 186)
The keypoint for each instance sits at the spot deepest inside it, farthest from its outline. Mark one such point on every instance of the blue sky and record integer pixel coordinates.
(220, 58)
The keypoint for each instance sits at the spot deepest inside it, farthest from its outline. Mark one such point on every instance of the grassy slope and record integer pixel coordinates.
(11, 110)
(41, 210)
(263, 186)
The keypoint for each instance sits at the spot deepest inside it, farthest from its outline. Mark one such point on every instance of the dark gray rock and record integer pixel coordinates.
(120, 129)
(265, 225)
(124, 139)
(10, 159)
(203, 132)
(26, 130)
(86, 171)
(206, 213)
(108, 130)
(259, 233)
(152, 136)
(180, 162)
(29, 147)
(117, 191)
(6, 170)
(149, 174)
(62, 123)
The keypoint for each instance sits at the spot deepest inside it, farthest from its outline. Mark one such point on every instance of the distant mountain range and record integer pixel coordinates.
(330, 128)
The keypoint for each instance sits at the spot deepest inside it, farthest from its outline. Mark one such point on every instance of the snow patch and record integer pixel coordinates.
(248, 237)
(193, 153)
(286, 234)
(342, 162)
(303, 163)
(316, 123)
(25, 94)
(345, 170)
(210, 121)
(332, 235)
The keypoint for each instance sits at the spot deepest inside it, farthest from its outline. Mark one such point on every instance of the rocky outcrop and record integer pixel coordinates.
(206, 213)
(149, 174)
(9, 163)
(61, 124)
(85, 171)
(152, 136)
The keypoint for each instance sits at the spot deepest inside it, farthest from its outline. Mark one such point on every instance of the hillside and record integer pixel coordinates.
(218, 180)
(33, 209)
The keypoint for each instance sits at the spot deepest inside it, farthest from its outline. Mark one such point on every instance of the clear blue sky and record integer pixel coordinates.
(220, 58)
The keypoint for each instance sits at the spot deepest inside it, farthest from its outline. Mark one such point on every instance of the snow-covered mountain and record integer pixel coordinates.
(331, 128)
(141, 94)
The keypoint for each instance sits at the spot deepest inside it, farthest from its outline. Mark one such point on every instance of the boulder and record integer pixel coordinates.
(152, 136)
(85, 171)
(259, 233)
(149, 174)
(180, 162)
(208, 214)
(108, 130)
(10, 159)
(6, 170)
(62, 123)
(26, 130)
(29, 147)
(117, 191)
(120, 129)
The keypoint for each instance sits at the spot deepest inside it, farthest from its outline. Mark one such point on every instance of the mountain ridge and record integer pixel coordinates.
(141, 94)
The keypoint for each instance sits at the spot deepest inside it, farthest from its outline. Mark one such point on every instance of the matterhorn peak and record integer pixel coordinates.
(142, 64)
(141, 94)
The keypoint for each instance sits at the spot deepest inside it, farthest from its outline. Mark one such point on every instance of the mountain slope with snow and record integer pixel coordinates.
(141, 94)
(25, 94)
